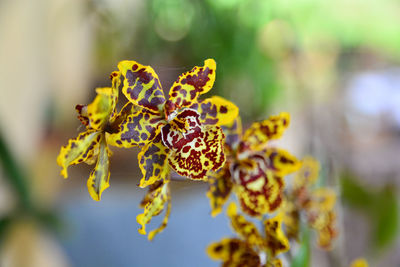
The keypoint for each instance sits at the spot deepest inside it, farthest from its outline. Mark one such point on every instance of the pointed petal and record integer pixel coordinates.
(245, 229)
(216, 111)
(99, 177)
(141, 85)
(152, 162)
(156, 198)
(191, 84)
(220, 187)
(78, 150)
(137, 129)
(234, 252)
(115, 77)
(99, 111)
(260, 133)
(282, 162)
(276, 240)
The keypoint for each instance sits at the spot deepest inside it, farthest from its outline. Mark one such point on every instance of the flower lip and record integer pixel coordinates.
(181, 129)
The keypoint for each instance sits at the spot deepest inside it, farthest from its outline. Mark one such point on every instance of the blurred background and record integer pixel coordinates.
(334, 65)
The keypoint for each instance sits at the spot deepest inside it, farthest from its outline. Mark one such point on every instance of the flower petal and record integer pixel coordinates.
(191, 84)
(245, 229)
(137, 129)
(328, 232)
(152, 162)
(233, 133)
(276, 240)
(115, 77)
(220, 187)
(195, 153)
(216, 111)
(291, 219)
(99, 177)
(260, 133)
(234, 253)
(309, 172)
(259, 190)
(153, 205)
(274, 263)
(141, 85)
(82, 114)
(281, 162)
(99, 111)
(78, 150)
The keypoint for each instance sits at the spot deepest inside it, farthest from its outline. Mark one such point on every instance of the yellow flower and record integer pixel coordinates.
(251, 244)
(182, 130)
(91, 145)
(253, 170)
(360, 262)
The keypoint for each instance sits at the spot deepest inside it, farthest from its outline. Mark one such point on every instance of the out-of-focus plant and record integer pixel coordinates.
(26, 208)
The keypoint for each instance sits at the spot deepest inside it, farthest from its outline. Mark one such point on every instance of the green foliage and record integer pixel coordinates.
(302, 257)
(380, 206)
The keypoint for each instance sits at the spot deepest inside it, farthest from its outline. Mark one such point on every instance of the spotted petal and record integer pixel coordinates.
(115, 77)
(99, 177)
(154, 203)
(152, 162)
(274, 262)
(220, 187)
(281, 162)
(78, 150)
(260, 133)
(328, 232)
(259, 190)
(99, 111)
(137, 129)
(234, 252)
(276, 240)
(141, 85)
(245, 229)
(194, 150)
(233, 133)
(191, 84)
(216, 111)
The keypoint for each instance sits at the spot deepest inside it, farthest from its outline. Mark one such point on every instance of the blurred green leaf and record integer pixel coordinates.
(380, 206)
(302, 257)
(385, 217)
(354, 194)
(14, 174)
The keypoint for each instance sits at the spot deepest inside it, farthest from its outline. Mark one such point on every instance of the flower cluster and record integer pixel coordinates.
(316, 204)
(251, 248)
(254, 169)
(182, 132)
(202, 139)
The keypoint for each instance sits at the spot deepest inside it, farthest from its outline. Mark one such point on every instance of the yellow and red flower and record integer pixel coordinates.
(253, 170)
(182, 130)
(251, 247)
(91, 145)
(317, 205)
